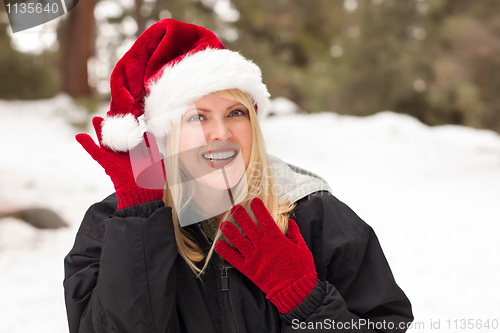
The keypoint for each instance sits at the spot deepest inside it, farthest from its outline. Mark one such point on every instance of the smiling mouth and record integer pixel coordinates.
(220, 157)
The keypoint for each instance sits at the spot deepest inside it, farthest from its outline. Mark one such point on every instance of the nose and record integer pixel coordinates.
(219, 131)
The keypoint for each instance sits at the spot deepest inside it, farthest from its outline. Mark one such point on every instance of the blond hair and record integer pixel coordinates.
(259, 180)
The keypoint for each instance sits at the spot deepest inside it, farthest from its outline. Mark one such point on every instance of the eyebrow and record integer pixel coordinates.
(228, 108)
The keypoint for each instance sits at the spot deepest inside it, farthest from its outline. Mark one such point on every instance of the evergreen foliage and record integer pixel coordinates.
(434, 59)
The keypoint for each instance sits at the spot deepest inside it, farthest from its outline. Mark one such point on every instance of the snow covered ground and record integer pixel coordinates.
(431, 194)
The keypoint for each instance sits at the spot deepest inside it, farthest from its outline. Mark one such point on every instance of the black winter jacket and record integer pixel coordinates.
(124, 274)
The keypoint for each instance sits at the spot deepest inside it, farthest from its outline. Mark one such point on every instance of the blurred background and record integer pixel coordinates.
(425, 174)
(435, 60)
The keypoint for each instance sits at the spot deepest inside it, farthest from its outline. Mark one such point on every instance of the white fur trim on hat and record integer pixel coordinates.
(122, 132)
(195, 76)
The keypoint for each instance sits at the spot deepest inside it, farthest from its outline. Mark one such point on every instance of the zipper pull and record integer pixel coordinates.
(224, 279)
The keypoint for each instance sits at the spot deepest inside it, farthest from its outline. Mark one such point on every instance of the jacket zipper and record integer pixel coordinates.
(203, 233)
(225, 287)
(225, 291)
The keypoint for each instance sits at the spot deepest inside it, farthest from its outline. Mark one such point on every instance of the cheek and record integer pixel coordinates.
(189, 142)
(245, 139)
(191, 137)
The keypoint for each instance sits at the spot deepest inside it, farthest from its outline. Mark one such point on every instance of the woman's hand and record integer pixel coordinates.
(118, 165)
(282, 267)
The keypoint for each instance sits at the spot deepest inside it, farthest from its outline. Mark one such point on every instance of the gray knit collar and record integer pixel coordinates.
(293, 183)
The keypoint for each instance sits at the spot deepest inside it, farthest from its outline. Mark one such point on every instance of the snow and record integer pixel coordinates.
(281, 106)
(431, 194)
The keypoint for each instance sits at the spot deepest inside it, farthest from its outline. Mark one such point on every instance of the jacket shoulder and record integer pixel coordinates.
(322, 210)
(335, 234)
(92, 224)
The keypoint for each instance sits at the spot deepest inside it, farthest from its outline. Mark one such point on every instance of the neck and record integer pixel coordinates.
(211, 200)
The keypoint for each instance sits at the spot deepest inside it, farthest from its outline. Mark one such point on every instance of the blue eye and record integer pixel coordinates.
(236, 113)
(195, 118)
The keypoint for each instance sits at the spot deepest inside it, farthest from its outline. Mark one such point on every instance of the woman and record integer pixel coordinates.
(212, 234)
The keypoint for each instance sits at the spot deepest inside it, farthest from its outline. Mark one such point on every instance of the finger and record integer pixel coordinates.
(293, 233)
(265, 219)
(248, 226)
(163, 170)
(89, 145)
(97, 123)
(235, 237)
(231, 255)
(152, 145)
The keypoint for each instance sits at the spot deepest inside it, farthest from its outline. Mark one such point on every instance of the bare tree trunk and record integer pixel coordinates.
(142, 16)
(78, 44)
(141, 20)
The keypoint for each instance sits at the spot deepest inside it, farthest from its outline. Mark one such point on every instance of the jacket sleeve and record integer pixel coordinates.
(119, 275)
(356, 291)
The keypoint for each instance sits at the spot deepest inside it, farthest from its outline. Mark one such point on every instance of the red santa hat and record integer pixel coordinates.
(170, 66)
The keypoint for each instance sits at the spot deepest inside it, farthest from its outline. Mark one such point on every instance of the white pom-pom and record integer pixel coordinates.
(121, 133)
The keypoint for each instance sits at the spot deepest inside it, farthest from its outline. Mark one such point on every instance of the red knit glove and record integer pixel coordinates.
(119, 168)
(282, 267)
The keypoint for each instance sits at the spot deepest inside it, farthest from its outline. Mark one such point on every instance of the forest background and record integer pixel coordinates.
(435, 60)
(431, 193)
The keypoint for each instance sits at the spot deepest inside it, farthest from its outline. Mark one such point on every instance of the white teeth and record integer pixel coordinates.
(220, 156)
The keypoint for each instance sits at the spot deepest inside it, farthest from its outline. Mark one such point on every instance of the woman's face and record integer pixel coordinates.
(216, 136)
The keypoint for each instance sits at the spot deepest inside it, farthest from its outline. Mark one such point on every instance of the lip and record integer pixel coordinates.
(223, 163)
